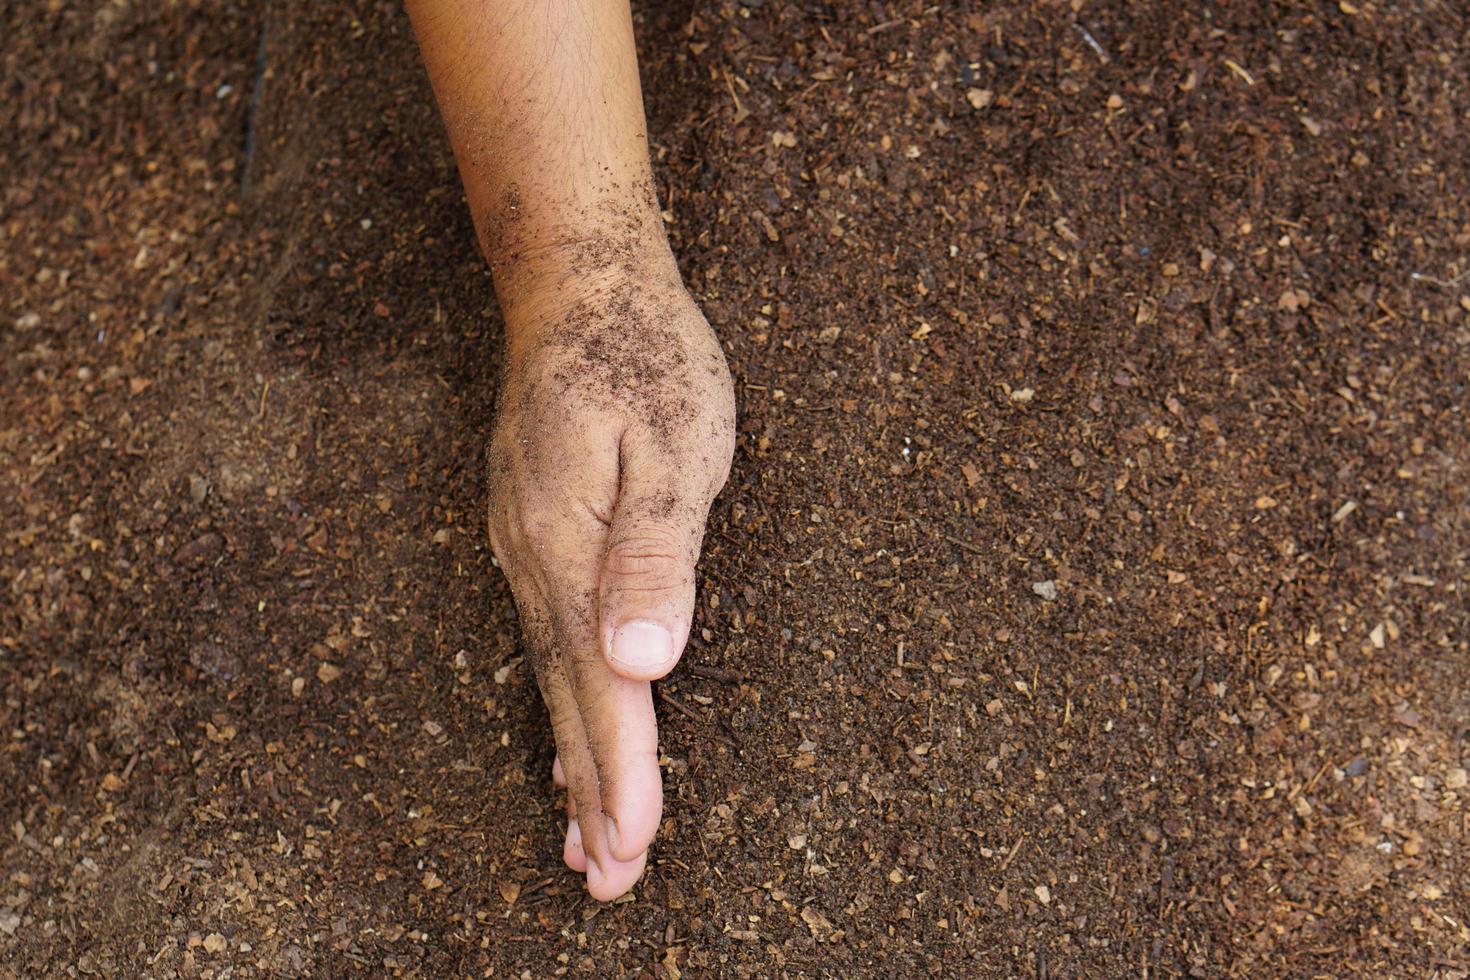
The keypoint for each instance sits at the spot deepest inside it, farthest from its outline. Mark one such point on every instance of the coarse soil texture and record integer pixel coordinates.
(1089, 598)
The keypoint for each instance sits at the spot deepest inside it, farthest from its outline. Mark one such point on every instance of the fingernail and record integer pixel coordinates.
(614, 836)
(574, 834)
(594, 873)
(642, 645)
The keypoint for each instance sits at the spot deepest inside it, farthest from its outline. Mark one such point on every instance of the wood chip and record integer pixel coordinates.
(1241, 72)
(979, 98)
(816, 921)
(509, 890)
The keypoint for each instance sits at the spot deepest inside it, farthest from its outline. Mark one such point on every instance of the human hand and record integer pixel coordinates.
(614, 432)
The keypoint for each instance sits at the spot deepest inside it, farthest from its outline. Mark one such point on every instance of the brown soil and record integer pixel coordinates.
(1089, 598)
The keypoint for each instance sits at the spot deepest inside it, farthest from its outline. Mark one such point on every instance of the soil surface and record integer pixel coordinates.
(1089, 598)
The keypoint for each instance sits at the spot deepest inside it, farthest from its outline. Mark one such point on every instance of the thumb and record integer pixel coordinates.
(646, 592)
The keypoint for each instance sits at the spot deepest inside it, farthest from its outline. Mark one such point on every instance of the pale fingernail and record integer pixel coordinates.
(642, 646)
(574, 834)
(614, 836)
(594, 873)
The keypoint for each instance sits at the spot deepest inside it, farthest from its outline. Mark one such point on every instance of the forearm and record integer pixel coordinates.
(544, 112)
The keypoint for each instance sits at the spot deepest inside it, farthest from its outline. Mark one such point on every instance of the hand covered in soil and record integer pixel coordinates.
(615, 431)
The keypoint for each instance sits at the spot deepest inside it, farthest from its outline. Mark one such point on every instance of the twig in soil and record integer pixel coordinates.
(690, 713)
(680, 707)
(532, 889)
(1015, 849)
(740, 111)
(1244, 75)
(716, 674)
(1436, 281)
(965, 545)
(1092, 42)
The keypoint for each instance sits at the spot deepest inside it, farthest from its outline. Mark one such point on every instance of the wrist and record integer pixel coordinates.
(542, 277)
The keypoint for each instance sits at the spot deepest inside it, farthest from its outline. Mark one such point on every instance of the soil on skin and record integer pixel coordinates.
(1089, 598)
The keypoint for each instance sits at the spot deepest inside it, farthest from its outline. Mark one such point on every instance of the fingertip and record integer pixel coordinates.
(642, 826)
(641, 650)
(572, 852)
(614, 880)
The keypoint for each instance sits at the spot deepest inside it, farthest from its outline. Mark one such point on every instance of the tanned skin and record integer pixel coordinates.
(615, 421)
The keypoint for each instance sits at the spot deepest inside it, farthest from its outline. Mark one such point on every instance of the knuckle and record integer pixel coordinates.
(564, 718)
(650, 556)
